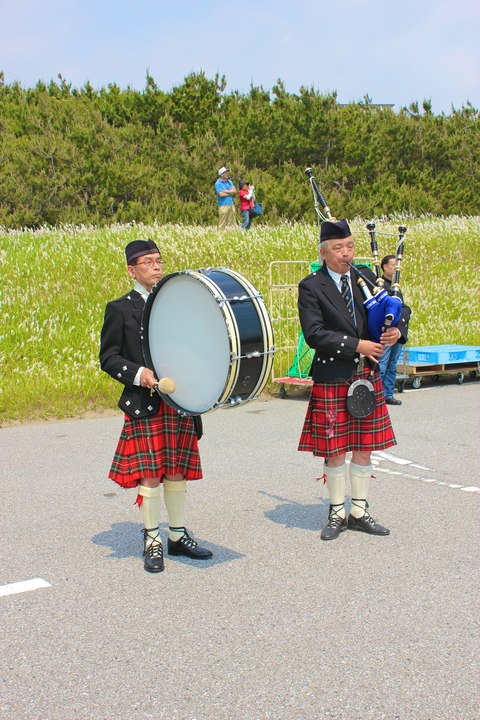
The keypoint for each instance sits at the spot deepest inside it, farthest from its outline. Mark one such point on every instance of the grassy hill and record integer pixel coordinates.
(56, 282)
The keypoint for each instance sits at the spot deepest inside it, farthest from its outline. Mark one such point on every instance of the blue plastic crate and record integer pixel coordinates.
(442, 354)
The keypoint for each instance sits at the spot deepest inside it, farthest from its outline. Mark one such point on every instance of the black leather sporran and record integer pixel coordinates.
(361, 399)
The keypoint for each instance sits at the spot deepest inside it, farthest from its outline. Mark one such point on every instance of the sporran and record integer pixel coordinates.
(361, 399)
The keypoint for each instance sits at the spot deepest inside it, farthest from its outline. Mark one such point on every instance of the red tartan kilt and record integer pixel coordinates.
(330, 430)
(165, 444)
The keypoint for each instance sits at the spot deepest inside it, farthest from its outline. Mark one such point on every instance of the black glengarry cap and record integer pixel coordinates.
(334, 230)
(137, 248)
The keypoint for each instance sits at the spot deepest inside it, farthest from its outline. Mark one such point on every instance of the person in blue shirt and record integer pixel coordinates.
(225, 190)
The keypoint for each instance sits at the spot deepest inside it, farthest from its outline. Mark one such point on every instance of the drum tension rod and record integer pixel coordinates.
(255, 354)
(248, 356)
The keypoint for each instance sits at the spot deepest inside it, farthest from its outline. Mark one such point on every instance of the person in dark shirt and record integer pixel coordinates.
(157, 445)
(334, 323)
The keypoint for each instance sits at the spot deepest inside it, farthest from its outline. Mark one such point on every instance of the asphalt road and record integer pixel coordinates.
(278, 625)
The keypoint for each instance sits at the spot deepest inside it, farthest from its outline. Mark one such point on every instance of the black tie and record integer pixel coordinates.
(347, 296)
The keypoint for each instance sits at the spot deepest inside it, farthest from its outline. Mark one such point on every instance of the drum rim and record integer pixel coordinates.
(267, 330)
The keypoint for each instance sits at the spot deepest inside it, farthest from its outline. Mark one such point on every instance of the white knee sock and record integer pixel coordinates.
(359, 482)
(174, 496)
(150, 507)
(336, 481)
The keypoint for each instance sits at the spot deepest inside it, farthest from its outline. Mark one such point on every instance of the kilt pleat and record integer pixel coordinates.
(155, 446)
(330, 430)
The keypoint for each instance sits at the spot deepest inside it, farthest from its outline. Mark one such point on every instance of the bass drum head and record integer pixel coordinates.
(186, 338)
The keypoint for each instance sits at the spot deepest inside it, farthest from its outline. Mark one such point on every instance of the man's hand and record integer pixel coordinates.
(390, 337)
(370, 349)
(147, 378)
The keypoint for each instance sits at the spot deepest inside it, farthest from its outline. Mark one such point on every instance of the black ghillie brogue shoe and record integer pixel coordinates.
(366, 523)
(187, 546)
(336, 524)
(153, 554)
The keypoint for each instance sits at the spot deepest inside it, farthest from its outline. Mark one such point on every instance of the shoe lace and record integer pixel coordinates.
(188, 541)
(366, 516)
(334, 519)
(155, 549)
(185, 540)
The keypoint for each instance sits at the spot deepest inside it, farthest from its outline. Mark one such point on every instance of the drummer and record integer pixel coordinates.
(157, 446)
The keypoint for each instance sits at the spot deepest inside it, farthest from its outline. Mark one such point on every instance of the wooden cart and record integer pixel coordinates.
(416, 363)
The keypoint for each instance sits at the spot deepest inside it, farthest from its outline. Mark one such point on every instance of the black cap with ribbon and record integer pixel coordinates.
(137, 248)
(334, 230)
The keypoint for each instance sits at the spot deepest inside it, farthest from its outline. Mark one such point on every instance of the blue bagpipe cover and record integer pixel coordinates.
(378, 307)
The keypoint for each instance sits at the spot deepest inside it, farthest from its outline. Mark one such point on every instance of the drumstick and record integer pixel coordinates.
(166, 386)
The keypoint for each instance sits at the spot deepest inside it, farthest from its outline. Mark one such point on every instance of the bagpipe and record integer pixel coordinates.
(383, 309)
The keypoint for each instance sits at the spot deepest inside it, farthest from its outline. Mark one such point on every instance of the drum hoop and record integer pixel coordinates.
(266, 326)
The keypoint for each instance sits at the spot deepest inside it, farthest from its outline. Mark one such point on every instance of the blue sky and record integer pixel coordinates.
(395, 52)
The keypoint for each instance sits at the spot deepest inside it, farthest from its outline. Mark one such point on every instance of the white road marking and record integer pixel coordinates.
(23, 586)
(422, 388)
(397, 460)
(381, 455)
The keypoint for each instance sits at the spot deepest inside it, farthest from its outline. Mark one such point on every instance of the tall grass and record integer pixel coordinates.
(56, 282)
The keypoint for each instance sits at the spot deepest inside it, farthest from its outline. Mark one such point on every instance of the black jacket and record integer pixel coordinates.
(329, 329)
(121, 353)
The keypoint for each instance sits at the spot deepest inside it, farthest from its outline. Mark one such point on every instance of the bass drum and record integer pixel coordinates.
(210, 332)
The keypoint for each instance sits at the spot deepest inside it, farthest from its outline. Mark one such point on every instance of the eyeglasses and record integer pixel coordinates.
(151, 263)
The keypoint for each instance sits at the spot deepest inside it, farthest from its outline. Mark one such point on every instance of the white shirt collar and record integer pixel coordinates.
(337, 277)
(140, 289)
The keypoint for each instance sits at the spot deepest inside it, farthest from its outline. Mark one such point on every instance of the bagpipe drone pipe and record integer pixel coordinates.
(383, 309)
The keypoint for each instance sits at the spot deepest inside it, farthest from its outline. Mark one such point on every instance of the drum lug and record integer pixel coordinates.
(245, 297)
(204, 271)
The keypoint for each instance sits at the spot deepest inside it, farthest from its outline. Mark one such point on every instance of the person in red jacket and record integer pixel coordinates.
(246, 194)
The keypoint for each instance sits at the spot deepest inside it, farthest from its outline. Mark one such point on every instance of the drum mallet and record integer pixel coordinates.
(167, 386)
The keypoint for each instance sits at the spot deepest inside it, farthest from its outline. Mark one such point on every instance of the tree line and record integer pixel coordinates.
(79, 155)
